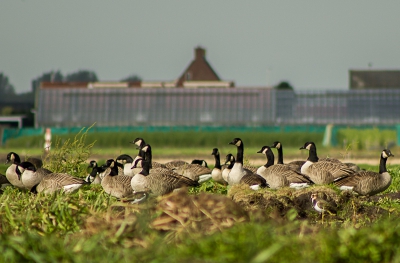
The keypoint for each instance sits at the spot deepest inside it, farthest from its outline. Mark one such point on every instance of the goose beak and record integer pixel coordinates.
(302, 148)
(260, 151)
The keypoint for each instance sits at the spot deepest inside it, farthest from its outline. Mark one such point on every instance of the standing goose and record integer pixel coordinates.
(115, 184)
(30, 175)
(294, 165)
(280, 175)
(11, 173)
(216, 172)
(322, 172)
(369, 182)
(58, 182)
(240, 175)
(158, 181)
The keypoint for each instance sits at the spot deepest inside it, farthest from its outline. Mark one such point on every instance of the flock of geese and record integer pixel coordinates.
(133, 179)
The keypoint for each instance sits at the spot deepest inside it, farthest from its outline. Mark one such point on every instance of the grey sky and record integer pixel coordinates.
(311, 44)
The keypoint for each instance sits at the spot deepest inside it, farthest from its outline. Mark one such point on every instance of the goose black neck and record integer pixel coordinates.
(145, 168)
(217, 161)
(148, 157)
(270, 158)
(94, 171)
(114, 170)
(382, 165)
(240, 152)
(312, 155)
(230, 166)
(280, 155)
(16, 160)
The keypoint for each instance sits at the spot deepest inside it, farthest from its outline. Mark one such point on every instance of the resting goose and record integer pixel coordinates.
(369, 182)
(158, 181)
(322, 172)
(238, 174)
(115, 184)
(280, 175)
(195, 172)
(58, 182)
(29, 175)
(294, 165)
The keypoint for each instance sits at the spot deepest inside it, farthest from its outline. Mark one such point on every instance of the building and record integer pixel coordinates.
(374, 79)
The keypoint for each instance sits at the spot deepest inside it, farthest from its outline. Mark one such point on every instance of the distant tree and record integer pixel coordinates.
(132, 78)
(284, 85)
(82, 75)
(51, 76)
(6, 88)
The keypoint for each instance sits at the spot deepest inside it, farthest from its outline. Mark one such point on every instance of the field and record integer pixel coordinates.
(210, 223)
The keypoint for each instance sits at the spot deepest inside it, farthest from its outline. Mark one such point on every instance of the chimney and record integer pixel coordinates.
(199, 53)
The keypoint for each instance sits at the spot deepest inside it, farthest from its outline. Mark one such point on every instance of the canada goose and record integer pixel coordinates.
(280, 175)
(195, 172)
(29, 175)
(322, 206)
(322, 172)
(238, 174)
(294, 165)
(58, 182)
(11, 173)
(115, 184)
(216, 172)
(97, 173)
(369, 182)
(158, 181)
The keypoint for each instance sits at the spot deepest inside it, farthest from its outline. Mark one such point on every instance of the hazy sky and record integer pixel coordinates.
(311, 44)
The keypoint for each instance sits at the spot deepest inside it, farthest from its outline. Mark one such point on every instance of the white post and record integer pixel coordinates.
(47, 140)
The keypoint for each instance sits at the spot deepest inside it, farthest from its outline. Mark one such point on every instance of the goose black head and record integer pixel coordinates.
(386, 153)
(200, 162)
(139, 142)
(110, 163)
(13, 157)
(276, 145)
(92, 164)
(237, 142)
(264, 149)
(308, 146)
(229, 158)
(124, 158)
(215, 151)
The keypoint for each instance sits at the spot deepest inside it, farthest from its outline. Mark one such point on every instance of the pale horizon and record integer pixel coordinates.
(310, 44)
